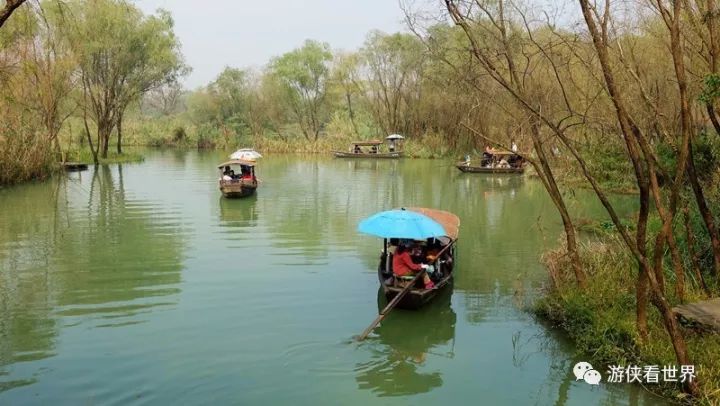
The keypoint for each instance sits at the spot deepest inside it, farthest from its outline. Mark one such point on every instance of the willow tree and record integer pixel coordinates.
(303, 74)
(121, 54)
(394, 65)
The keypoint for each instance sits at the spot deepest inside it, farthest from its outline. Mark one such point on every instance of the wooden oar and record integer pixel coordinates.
(384, 312)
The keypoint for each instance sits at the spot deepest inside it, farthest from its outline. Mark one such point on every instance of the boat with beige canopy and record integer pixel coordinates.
(237, 178)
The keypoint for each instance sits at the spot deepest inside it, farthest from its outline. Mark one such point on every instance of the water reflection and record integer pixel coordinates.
(402, 345)
(78, 250)
(239, 212)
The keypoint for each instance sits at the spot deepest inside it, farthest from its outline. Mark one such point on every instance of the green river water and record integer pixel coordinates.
(139, 284)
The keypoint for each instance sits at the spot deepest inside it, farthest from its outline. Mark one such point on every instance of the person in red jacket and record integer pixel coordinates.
(403, 265)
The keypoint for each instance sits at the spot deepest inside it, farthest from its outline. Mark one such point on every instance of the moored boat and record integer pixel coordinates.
(495, 161)
(241, 184)
(464, 167)
(369, 149)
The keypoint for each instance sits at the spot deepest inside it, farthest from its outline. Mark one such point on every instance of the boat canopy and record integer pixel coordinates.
(449, 221)
(236, 162)
(366, 143)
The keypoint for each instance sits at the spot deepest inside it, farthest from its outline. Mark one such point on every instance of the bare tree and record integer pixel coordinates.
(10, 7)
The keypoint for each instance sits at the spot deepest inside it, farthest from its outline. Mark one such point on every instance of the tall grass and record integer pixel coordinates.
(24, 154)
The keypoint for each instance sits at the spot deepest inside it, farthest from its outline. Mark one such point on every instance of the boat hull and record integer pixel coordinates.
(237, 189)
(379, 155)
(417, 298)
(485, 169)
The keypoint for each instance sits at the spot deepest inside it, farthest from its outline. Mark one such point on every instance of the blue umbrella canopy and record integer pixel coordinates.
(401, 224)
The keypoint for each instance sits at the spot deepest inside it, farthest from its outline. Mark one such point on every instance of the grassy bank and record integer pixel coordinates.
(85, 156)
(601, 319)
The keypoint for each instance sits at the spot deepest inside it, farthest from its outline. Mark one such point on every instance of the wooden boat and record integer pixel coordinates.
(356, 150)
(242, 185)
(74, 166)
(488, 169)
(492, 163)
(444, 264)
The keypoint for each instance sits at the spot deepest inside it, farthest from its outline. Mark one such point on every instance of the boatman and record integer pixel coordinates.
(404, 266)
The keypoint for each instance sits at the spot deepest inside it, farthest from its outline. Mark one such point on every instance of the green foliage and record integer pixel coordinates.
(601, 320)
(302, 75)
(121, 54)
(85, 155)
(711, 88)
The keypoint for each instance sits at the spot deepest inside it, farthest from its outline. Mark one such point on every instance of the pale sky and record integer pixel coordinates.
(245, 33)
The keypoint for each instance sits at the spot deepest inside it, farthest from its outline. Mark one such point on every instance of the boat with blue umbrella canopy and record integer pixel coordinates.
(401, 223)
(430, 235)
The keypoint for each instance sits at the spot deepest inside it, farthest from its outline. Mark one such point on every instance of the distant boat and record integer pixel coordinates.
(240, 184)
(488, 169)
(372, 150)
(495, 162)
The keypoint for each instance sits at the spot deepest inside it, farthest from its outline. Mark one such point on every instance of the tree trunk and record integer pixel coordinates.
(10, 7)
(89, 139)
(557, 198)
(351, 112)
(713, 117)
(119, 132)
(641, 295)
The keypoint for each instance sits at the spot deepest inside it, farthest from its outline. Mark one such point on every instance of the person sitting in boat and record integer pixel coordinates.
(357, 149)
(225, 174)
(246, 173)
(514, 160)
(373, 149)
(487, 156)
(404, 266)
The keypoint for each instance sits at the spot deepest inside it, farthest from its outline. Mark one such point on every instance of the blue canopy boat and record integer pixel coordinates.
(434, 231)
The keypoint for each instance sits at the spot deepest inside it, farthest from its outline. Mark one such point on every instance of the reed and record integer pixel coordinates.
(24, 154)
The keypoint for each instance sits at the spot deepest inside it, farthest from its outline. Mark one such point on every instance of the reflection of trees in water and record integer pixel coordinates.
(117, 251)
(86, 247)
(401, 346)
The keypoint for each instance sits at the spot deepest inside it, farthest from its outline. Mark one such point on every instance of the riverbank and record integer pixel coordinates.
(601, 319)
(85, 156)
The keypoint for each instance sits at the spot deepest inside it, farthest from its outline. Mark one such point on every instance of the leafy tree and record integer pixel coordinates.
(303, 74)
(122, 54)
(394, 84)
